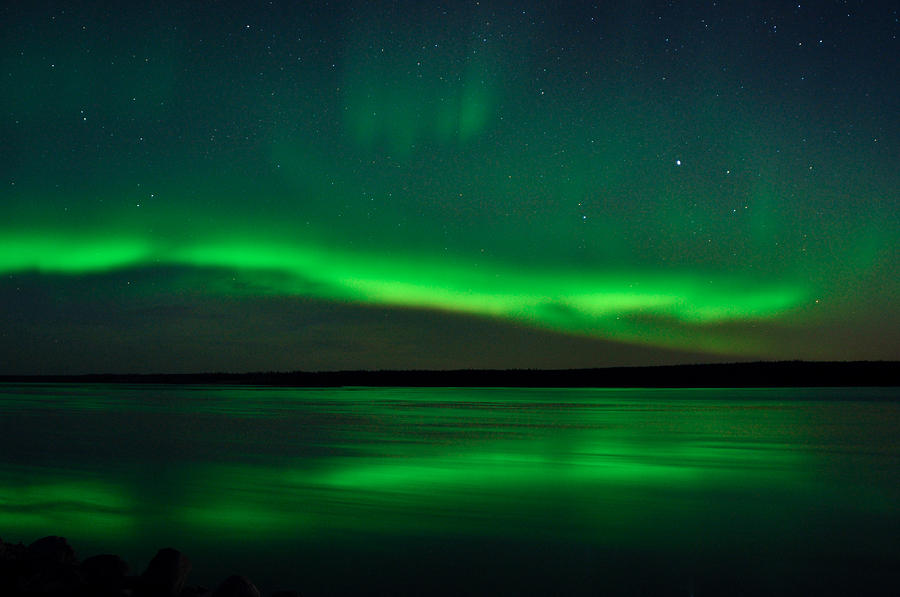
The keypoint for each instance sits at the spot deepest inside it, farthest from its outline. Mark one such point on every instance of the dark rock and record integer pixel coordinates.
(48, 567)
(104, 574)
(53, 549)
(165, 574)
(194, 591)
(48, 584)
(12, 566)
(60, 581)
(236, 586)
(12, 553)
(286, 594)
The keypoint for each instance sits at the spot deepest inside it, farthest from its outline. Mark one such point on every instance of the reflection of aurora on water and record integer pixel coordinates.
(384, 459)
(423, 488)
(258, 479)
(64, 502)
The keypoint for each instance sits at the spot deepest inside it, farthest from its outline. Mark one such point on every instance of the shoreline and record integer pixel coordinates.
(726, 375)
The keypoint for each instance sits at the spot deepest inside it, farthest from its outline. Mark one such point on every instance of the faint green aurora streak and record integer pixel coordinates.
(672, 309)
(553, 170)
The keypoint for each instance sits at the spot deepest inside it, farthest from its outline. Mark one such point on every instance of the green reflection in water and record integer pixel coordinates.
(508, 487)
(228, 499)
(74, 507)
(397, 477)
(240, 515)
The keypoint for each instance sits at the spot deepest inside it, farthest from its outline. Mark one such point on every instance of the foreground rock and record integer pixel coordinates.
(48, 567)
(52, 551)
(166, 574)
(105, 574)
(236, 586)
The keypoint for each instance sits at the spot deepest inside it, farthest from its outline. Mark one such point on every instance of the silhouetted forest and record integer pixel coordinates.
(759, 374)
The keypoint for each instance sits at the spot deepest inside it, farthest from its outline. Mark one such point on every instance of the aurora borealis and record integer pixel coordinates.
(415, 185)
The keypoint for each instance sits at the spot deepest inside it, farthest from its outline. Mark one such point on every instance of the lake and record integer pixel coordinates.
(782, 491)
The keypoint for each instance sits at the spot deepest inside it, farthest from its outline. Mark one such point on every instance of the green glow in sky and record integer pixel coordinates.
(599, 304)
(591, 173)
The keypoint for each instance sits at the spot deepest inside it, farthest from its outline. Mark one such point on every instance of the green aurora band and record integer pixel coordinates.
(602, 177)
(633, 307)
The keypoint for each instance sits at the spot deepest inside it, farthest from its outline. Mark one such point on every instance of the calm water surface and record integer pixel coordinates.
(467, 491)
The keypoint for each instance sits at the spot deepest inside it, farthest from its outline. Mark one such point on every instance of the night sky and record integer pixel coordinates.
(238, 186)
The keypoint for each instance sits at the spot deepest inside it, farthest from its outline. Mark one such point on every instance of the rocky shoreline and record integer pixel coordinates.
(49, 567)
